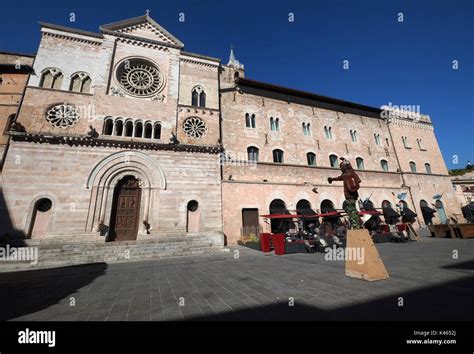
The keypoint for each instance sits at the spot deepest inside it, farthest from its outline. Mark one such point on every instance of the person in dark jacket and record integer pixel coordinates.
(351, 186)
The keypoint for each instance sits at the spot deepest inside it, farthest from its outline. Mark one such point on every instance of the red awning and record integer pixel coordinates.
(324, 215)
(281, 216)
(370, 212)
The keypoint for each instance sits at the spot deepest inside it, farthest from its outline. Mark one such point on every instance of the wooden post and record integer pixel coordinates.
(371, 267)
(412, 230)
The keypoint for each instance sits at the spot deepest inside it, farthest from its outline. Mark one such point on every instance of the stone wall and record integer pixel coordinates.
(61, 173)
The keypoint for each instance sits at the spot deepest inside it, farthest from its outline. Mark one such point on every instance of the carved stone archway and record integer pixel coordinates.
(105, 176)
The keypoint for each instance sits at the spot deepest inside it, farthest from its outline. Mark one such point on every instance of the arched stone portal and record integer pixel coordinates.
(104, 178)
(124, 219)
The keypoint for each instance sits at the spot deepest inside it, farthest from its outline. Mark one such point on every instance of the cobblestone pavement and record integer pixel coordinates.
(424, 278)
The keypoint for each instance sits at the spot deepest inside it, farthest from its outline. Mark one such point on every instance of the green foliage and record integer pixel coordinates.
(461, 171)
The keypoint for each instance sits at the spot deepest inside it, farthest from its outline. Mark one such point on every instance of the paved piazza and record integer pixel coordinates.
(256, 286)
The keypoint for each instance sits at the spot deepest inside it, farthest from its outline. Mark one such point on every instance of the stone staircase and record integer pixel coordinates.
(61, 252)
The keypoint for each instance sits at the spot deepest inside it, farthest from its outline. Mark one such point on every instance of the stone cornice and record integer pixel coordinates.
(56, 90)
(128, 38)
(412, 123)
(71, 36)
(199, 62)
(197, 110)
(84, 140)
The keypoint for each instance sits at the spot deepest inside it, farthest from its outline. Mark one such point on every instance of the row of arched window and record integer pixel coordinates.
(275, 126)
(52, 78)
(413, 167)
(278, 157)
(132, 128)
(406, 144)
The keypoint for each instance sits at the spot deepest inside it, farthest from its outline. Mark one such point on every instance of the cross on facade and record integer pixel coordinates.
(147, 12)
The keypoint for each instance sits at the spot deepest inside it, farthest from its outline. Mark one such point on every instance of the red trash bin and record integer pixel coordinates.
(279, 244)
(265, 242)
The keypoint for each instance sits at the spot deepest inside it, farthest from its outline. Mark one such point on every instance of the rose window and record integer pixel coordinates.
(140, 77)
(62, 115)
(195, 127)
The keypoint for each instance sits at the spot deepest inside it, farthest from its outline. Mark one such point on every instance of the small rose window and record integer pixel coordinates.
(195, 127)
(62, 115)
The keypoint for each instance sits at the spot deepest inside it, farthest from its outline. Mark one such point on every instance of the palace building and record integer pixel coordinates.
(123, 135)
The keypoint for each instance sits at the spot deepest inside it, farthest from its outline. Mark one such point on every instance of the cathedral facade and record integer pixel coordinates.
(122, 135)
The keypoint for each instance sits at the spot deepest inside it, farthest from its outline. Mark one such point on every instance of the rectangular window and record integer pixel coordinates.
(250, 222)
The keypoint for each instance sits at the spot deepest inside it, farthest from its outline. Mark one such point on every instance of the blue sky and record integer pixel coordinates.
(405, 63)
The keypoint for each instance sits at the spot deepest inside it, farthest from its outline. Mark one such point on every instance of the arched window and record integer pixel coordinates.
(157, 131)
(303, 207)
(80, 82)
(412, 166)
(76, 83)
(377, 139)
(427, 212)
(274, 124)
(441, 212)
(333, 160)
(428, 168)
(252, 153)
(108, 126)
(249, 120)
(138, 129)
(278, 206)
(405, 142)
(129, 128)
(354, 136)
(384, 165)
(420, 145)
(386, 204)
(328, 132)
(195, 98)
(52, 78)
(202, 99)
(311, 158)
(119, 127)
(360, 163)
(86, 85)
(278, 156)
(307, 129)
(148, 130)
(198, 97)
(41, 217)
(327, 206)
(192, 222)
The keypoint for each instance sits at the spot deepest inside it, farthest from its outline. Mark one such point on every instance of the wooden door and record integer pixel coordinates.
(126, 210)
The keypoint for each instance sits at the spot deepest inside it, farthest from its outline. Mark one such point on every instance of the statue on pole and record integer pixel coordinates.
(351, 186)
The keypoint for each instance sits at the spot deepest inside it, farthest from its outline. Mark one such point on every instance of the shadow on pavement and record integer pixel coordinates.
(26, 292)
(449, 301)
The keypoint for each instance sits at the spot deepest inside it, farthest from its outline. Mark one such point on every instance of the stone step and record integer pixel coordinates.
(68, 261)
(60, 254)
